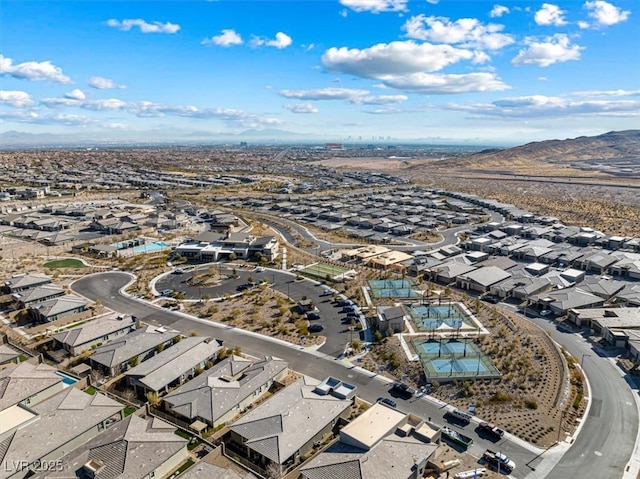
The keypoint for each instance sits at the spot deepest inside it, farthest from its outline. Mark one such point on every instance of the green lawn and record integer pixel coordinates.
(91, 390)
(129, 410)
(65, 263)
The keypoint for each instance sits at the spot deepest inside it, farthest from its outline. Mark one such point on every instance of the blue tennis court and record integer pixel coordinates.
(393, 288)
(432, 317)
(465, 365)
(449, 347)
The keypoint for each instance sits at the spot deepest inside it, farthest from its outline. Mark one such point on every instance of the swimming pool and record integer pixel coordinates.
(151, 247)
(67, 380)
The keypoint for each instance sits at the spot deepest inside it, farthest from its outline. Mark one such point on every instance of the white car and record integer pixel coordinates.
(545, 312)
(259, 269)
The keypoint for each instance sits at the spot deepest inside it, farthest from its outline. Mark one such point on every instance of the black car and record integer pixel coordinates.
(344, 302)
(316, 328)
(312, 316)
(403, 389)
(348, 309)
(387, 401)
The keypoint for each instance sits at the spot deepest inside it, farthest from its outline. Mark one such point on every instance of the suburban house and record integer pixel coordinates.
(173, 366)
(391, 318)
(24, 282)
(561, 301)
(121, 354)
(58, 308)
(282, 430)
(94, 333)
(134, 448)
(226, 390)
(381, 442)
(9, 354)
(51, 429)
(481, 279)
(39, 294)
(27, 384)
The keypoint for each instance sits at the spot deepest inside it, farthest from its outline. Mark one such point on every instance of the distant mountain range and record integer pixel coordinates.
(617, 151)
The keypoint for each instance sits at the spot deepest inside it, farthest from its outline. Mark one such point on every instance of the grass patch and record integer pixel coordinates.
(91, 390)
(184, 467)
(129, 410)
(65, 263)
(181, 433)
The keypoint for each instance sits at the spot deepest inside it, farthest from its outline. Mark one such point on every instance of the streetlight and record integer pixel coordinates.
(562, 413)
(582, 359)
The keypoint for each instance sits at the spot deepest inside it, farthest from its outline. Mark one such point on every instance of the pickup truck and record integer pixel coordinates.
(499, 461)
(491, 430)
(456, 437)
(403, 389)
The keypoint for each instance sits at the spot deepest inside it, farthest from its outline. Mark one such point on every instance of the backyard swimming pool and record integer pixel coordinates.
(67, 380)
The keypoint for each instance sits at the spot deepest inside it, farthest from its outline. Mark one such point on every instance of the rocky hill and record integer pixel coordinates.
(616, 153)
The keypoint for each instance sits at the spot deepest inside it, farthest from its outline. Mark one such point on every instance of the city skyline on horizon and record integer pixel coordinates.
(492, 72)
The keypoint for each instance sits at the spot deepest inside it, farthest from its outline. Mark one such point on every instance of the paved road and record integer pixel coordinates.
(106, 286)
(607, 439)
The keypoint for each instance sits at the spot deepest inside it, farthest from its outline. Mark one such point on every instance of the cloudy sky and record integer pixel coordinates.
(497, 71)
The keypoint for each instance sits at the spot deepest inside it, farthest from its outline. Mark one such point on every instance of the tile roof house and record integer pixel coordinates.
(28, 384)
(25, 282)
(94, 333)
(381, 443)
(117, 356)
(173, 365)
(481, 279)
(226, 390)
(285, 428)
(58, 308)
(53, 428)
(204, 470)
(133, 448)
(36, 295)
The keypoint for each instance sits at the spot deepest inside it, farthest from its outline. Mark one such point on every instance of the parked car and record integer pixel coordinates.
(491, 430)
(387, 401)
(344, 302)
(166, 292)
(259, 269)
(403, 389)
(178, 271)
(312, 316)
(316, 328)
(545, 312)
(348, 309)
(326, 292)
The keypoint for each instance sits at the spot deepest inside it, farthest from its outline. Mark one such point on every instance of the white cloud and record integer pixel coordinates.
(282, 40)
(605, 14)
(76, 94)
(301, 108)
(145, 27)
(540, 106)
(376, 6)
(16, 98)
(433, 2)
(343, 13)
(498, 10)
(56, 119)
(543, 79)
(95, 105)
(439, 84)
(555, 49)
(34, 71)
(607, 93)
(393, 58)
(323, 94)
(101, 83)
(550, 14)
(465, 32)
(227, 38)
(380, 100)
(354, 96)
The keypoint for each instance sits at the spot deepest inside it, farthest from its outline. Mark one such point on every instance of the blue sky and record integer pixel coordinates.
(506, 70)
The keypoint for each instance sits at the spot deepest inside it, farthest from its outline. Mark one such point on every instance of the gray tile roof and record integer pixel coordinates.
(130, 449)
(60, 305)
(24, 380)
(26, 281)
(7, 353)
(39, 293)
(137, 342)
(211, 395)
(157, 372)
(94, 330)
(286, 422)
(63, 418)
(204, 470)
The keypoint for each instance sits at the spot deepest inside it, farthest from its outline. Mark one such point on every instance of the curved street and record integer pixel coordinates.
(601, 450)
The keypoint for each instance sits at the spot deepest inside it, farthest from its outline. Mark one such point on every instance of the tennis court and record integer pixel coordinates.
(322, 270)
(449, 360)
(393, 288)
(432, 317)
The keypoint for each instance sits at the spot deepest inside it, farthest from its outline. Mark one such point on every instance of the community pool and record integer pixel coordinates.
(151, 247)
